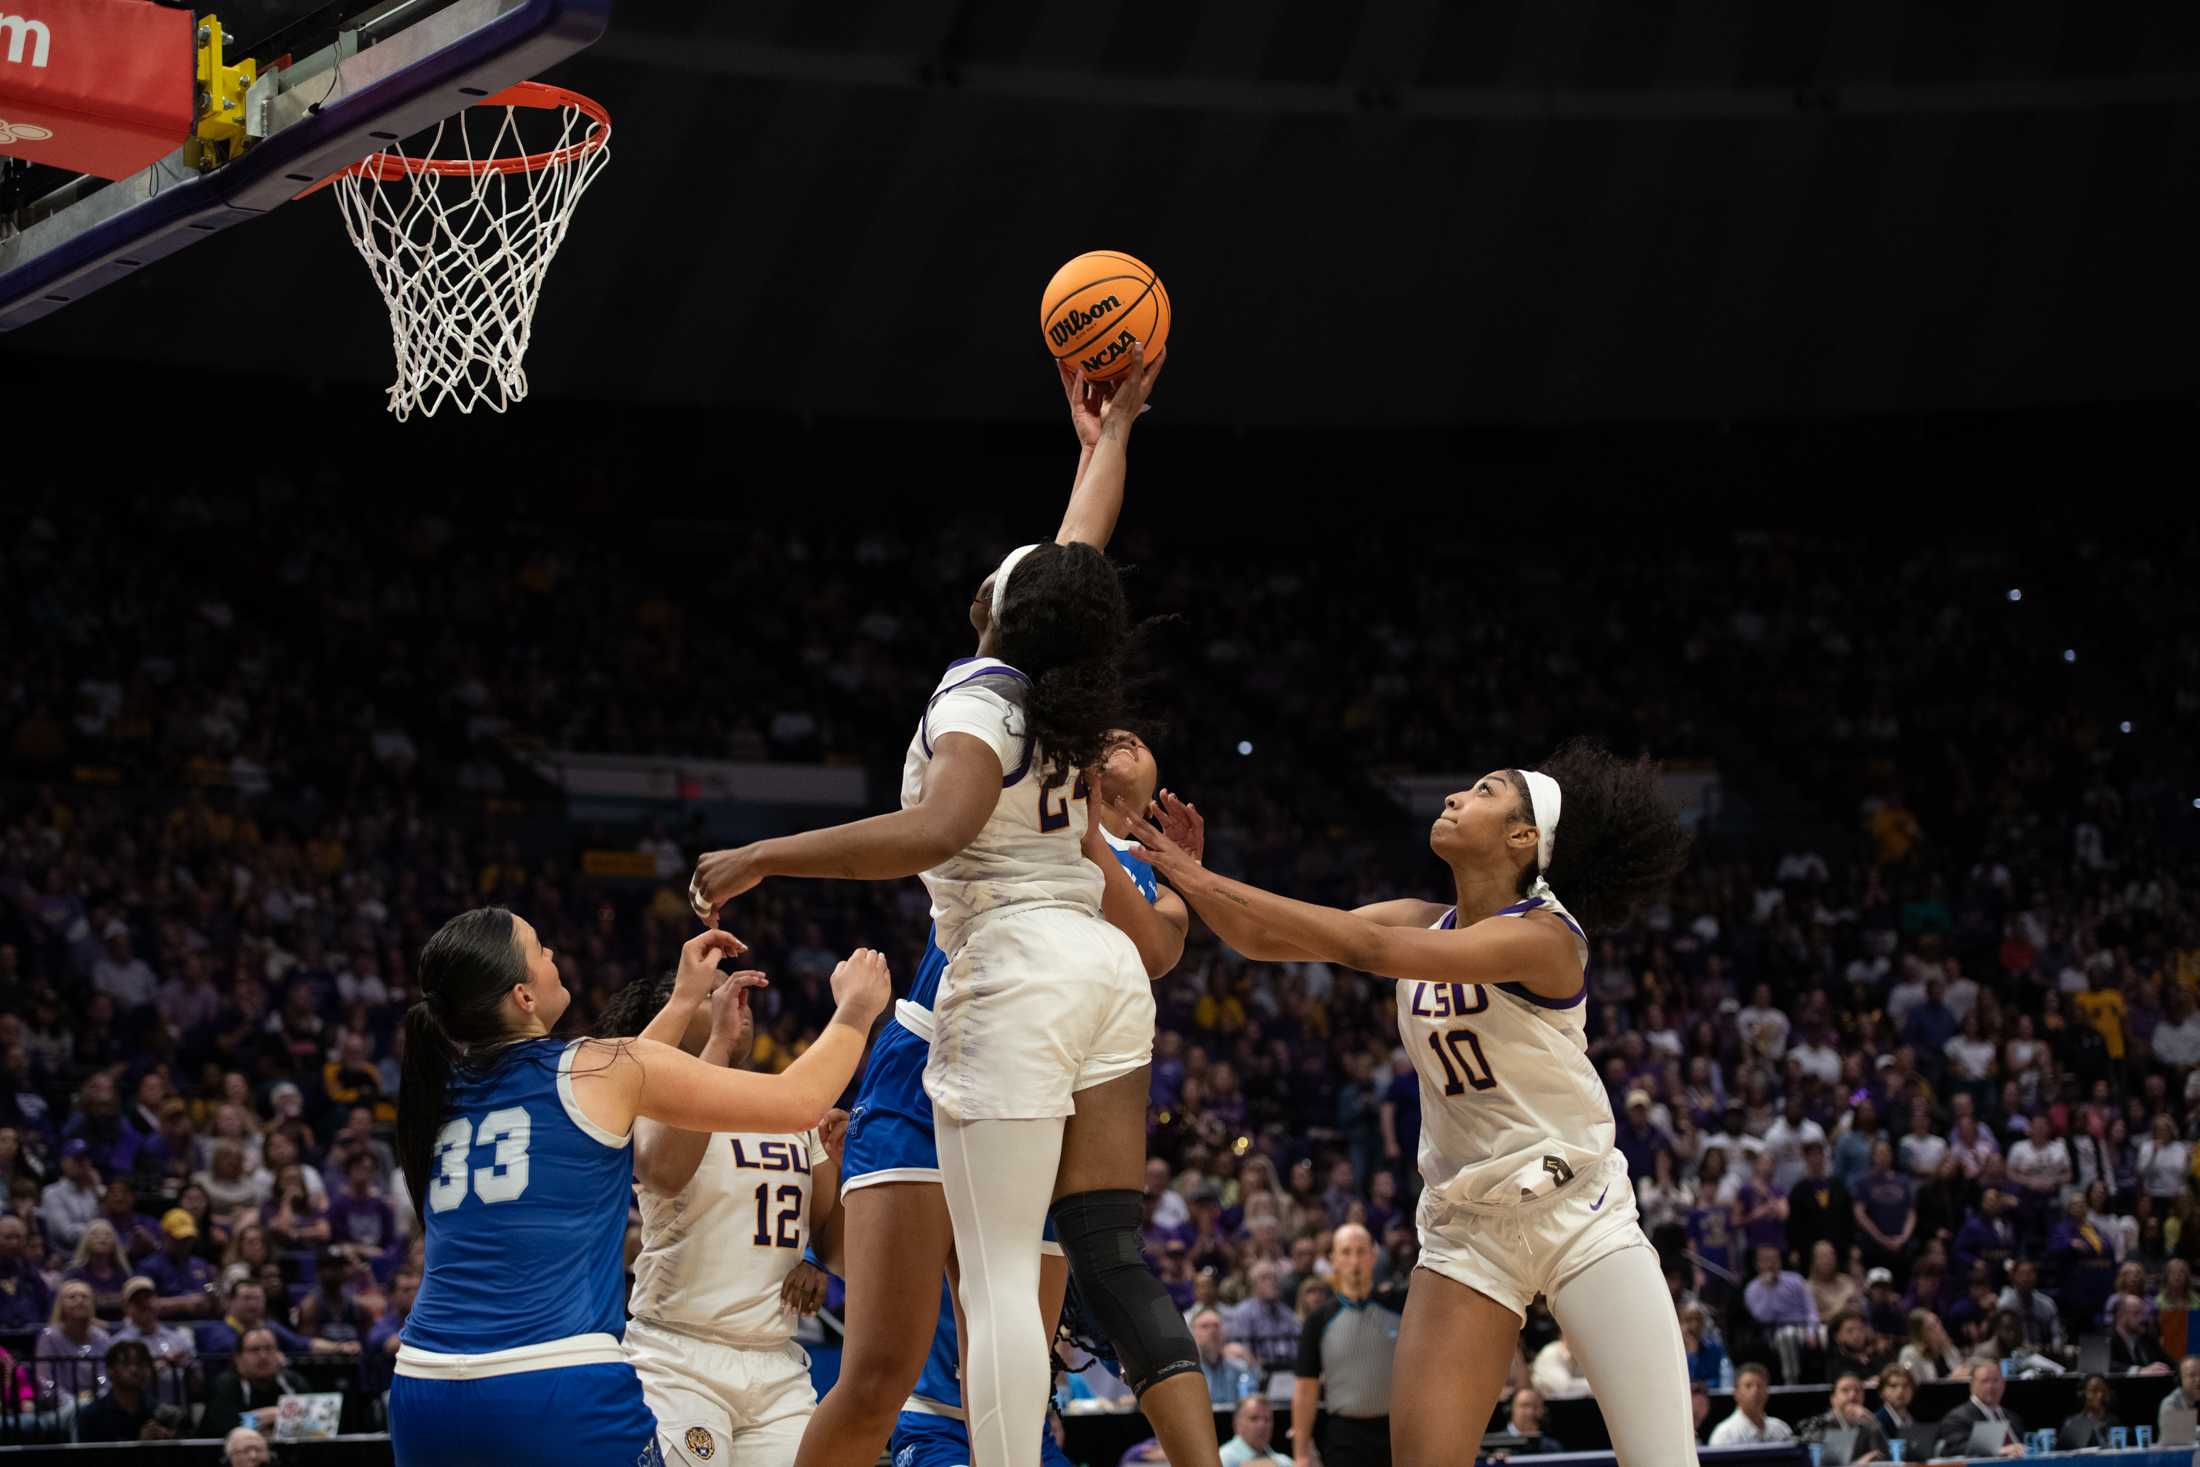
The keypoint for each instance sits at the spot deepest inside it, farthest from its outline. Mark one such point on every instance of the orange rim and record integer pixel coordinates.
(389, 167)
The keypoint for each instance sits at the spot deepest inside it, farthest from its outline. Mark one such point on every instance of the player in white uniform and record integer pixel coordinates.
(1525, 1193)
(900, 1373)
(726, 1220)
(1043, 1025)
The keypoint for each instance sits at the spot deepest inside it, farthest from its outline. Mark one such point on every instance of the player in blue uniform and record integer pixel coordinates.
(896, 1376)
(516, 1146)
(925, 1435)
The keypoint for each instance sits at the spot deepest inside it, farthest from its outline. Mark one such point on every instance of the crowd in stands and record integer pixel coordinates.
(1907, 1067)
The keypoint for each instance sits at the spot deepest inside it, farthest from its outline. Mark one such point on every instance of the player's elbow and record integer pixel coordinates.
(941, 834)
(653, 1174)
(794, 1104)
(1161, 952)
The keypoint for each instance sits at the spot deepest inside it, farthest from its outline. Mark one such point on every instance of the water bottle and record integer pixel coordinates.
(2119, 1437)
(2146, 1436)
(1817, 1454)
(1896, 1446)
(1726, 1374)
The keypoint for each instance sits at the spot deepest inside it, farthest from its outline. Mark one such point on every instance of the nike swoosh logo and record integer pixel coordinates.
(1600, 1197)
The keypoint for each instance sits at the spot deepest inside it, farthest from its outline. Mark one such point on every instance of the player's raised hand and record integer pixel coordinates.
(804, 1290)
(833, 1131)
(1181, 823)
(720, 877)
(1168, 859)
(732, 1025)
(1128, 400)
(1086, 398)
(698, 973)
(861, 986)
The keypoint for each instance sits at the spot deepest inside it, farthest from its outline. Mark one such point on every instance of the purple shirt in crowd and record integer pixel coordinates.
(367, 1221)
(194, 1275)
(1887, 1199)
(25, 1301)
(1783, 1299)
(1762, 1232)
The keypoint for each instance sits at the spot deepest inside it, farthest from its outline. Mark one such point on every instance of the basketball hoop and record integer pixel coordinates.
(459, 245)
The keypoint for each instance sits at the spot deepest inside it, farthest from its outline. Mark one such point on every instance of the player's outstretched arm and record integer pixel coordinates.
(645, 1078)
(1097, 500)
(1085, 399)
(1263, 925)
(1182, 823)
(961, 790)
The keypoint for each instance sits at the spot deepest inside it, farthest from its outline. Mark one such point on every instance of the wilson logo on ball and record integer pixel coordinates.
(1113, 352)
(1095, 308)
(1079, 318)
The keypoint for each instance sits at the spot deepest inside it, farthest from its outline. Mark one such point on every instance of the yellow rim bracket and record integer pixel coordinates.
(220, 134)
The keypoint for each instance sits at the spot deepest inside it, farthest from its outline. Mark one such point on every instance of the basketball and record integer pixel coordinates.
(1096, 306)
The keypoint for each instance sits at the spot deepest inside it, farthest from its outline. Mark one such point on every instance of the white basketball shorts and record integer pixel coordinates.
(718, 1404)
(1036, 1006)
(1511, 1253)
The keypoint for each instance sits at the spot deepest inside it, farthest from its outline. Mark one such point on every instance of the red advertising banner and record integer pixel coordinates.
(97, 86)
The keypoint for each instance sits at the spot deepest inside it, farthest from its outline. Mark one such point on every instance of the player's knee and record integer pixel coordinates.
(1099, 1235)
(874, 1388)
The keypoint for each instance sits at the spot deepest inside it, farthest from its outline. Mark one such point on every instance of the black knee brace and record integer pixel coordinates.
(1098, 1232)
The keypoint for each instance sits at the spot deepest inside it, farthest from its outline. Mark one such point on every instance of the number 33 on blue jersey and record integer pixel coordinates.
(508, 1131)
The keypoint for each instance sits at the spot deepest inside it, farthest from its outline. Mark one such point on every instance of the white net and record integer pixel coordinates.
(459, 244)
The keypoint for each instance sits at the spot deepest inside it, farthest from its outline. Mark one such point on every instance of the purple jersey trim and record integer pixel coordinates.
(1001, 669)
(1519, 909)
(1580, 997)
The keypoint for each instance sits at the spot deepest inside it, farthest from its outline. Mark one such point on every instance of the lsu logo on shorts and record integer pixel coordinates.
(699, 1442)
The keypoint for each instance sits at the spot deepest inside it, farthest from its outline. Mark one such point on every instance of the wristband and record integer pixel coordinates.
(809, 1256)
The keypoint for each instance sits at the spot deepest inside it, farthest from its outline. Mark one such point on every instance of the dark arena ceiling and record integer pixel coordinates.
(1367, 215)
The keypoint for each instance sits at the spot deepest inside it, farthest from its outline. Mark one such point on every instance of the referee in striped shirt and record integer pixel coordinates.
(1345, 1356)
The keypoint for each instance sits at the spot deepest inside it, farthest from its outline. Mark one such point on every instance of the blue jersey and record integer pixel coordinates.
(925, 987)
(525, 1214)
(1140, 869)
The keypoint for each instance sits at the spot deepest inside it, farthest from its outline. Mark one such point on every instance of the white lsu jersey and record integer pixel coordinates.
(1030, 852)
(1511, 1107)
(715, 1255)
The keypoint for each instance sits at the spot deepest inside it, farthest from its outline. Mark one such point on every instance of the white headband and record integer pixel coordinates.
(1000, 578)
(1543, 799)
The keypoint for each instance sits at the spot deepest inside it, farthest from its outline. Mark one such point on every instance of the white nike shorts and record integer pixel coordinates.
(1511, 1253)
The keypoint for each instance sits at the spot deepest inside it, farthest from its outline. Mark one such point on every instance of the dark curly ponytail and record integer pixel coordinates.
(1066, 626)
(633, 1006)
(1620, 841)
